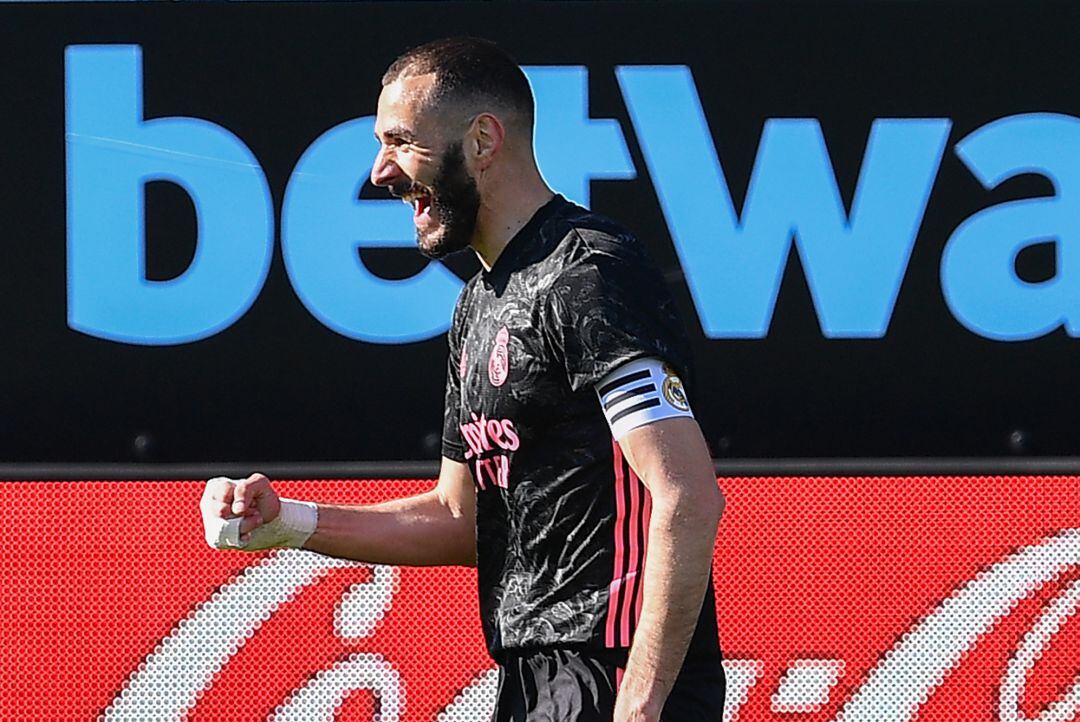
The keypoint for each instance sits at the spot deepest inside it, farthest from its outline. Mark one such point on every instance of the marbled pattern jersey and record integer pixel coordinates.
(561, 518)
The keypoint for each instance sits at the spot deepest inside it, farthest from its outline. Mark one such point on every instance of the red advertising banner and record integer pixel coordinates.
(839, 599)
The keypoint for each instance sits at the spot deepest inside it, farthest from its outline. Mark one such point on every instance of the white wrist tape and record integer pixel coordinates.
(641, 392)
(291, 528)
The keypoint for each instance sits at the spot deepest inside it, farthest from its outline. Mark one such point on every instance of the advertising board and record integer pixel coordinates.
(845, 598)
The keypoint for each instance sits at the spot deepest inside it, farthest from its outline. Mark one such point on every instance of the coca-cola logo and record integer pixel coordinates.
(170, 682)
(858, 598)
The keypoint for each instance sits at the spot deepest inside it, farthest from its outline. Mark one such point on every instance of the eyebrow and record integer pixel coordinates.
(397, 133)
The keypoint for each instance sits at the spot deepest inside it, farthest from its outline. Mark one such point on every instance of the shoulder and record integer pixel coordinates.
(461, 307)
(592, 245)
(465, 295)
(587, 233)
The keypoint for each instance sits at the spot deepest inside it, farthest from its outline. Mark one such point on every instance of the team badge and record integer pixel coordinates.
(499, 363)
(673, 390)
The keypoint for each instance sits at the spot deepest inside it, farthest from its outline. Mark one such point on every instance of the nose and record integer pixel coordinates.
(384, 171)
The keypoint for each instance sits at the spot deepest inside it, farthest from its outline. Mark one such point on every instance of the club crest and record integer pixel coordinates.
(673, 390)
(499, 363)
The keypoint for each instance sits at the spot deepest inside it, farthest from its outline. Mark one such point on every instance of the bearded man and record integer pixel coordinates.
(573, 473)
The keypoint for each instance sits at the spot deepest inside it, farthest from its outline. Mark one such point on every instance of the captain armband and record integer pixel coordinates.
(641, 392)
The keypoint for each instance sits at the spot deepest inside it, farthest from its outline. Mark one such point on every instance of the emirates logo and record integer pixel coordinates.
(499, 363)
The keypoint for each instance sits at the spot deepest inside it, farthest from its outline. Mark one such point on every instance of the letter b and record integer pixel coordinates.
(111, 154)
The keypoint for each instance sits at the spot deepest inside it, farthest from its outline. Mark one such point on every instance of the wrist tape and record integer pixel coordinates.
(291, 528)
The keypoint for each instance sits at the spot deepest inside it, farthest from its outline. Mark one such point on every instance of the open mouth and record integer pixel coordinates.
(421, 205)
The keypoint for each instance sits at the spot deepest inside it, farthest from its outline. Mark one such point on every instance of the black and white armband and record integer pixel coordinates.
(641, 392)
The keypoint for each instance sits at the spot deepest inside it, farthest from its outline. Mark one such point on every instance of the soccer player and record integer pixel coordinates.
(574, 475)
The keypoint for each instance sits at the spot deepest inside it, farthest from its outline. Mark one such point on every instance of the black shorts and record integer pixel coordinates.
(579, 685)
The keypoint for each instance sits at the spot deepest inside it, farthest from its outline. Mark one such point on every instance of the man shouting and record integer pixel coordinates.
(574, 475)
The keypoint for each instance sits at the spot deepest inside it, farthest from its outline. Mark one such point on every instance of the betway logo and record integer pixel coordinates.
(733, 262)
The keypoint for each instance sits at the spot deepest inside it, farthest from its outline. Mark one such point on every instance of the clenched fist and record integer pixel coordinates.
(248, 514)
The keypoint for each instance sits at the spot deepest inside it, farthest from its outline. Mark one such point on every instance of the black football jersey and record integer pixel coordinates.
(562, 519)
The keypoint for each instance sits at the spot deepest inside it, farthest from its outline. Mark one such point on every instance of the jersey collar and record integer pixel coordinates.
(523, 241)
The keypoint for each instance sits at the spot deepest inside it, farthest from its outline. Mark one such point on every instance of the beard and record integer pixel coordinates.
(456, 201)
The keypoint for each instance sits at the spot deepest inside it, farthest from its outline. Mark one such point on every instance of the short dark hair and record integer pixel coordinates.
(467, 70)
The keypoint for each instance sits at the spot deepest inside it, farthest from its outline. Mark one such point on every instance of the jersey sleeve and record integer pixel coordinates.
(608, 309)
(452, 447)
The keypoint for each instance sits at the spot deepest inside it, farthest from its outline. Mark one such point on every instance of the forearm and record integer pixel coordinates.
(421, 530)
(682, 533)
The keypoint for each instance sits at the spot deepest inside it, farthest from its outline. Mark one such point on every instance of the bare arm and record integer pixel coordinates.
(433, 528)
(673, 461)
(436, 527)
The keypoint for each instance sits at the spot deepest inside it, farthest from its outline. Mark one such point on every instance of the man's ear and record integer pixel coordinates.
(486, 137)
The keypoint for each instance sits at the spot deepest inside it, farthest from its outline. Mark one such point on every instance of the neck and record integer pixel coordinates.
(505, 208)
